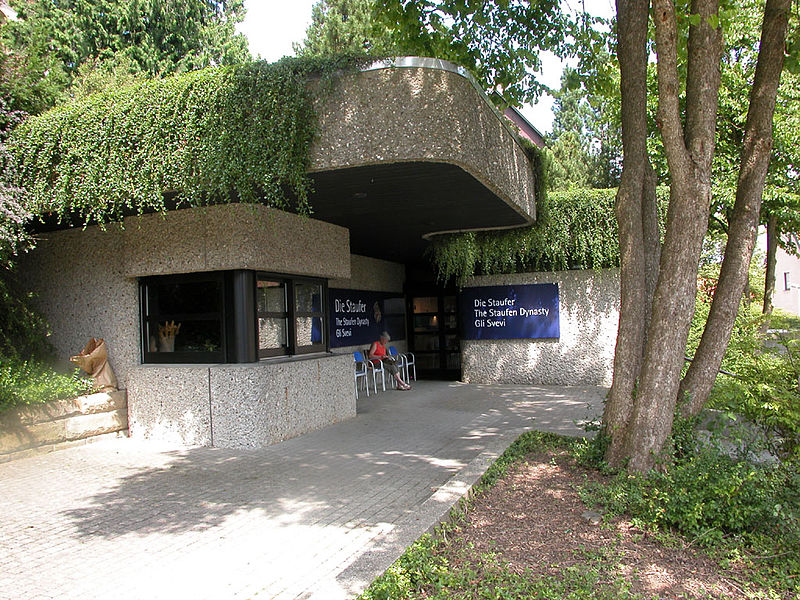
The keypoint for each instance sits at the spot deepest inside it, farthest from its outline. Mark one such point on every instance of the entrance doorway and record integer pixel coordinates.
(433, 335)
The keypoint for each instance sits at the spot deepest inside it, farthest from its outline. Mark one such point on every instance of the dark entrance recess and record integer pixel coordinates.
(388, 208)
(433, 335)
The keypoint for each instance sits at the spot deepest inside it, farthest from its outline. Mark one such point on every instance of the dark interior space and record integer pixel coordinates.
(388, 208)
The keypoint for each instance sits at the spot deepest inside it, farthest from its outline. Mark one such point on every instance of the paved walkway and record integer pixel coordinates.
(318, 516)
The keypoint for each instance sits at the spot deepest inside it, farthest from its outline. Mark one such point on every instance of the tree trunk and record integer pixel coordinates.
(772, 253)
(635, 184)
(702, 373)
(689, 154)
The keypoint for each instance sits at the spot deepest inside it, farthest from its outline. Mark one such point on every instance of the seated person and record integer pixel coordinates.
(379, 352)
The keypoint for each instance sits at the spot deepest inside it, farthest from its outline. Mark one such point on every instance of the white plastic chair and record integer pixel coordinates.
(406, 360)
(361, 369)
(376, 367)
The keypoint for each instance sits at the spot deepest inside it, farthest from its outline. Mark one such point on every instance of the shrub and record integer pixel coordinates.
(707, 495)
(765, 376)
(29, 382)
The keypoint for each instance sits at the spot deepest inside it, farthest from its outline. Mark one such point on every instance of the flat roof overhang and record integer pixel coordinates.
(392, 209)
(411, 147)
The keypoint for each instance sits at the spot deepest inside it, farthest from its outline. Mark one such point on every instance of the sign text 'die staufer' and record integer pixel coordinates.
(508, 312)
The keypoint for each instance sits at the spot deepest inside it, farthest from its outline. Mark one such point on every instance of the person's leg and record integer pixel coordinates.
(402, 384)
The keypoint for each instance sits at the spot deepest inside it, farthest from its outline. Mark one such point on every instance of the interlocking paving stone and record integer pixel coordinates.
(317, 516)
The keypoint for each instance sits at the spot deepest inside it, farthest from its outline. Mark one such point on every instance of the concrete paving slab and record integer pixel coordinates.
(318, 516)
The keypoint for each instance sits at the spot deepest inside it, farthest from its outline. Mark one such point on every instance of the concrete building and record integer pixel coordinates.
(234, 325)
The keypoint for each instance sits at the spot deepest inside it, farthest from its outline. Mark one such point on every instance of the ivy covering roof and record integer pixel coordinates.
(239, 133)
(576, 229)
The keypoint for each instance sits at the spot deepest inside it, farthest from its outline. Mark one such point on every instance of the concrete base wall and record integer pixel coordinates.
(583, 355)
(45, 427)
(240, 406)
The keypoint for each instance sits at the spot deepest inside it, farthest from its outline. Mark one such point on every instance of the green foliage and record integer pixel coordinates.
(13, 213)
(707, 495)
(225, 134)
(765, 368)
(345, 27)
(31, 382)
(782, 320)
(500, 42)
(424, 571)
(23, 332)
(57, 39)
(577, 229)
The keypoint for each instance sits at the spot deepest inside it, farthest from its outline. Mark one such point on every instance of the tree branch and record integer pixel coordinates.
(702, 83)
(669, 113)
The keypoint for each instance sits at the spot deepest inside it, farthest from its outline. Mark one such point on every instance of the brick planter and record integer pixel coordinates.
(46, 427)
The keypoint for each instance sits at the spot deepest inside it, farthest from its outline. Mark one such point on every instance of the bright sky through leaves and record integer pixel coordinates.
(272, 25)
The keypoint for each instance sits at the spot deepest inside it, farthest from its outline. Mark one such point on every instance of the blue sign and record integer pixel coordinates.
(509, 312)
(357, 318)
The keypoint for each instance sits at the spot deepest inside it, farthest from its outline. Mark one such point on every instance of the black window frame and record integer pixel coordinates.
(238, 318)
(292, 314)
(273, 352)
(150, 357)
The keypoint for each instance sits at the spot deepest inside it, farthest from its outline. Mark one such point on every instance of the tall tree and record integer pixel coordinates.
(689, 44)
(584, 144)
(755, 157)
(345, 27)
(58, 39)
(638, 227)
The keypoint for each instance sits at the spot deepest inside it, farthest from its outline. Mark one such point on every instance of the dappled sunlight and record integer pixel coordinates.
(431, 460)
(330, 509)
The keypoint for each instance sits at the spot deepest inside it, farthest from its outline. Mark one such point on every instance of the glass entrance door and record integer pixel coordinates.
(434, 339)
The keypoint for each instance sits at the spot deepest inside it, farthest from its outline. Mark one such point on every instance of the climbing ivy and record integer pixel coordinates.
(576, 228)
(239, 133)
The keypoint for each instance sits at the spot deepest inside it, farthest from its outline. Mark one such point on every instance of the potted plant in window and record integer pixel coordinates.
(166, 336)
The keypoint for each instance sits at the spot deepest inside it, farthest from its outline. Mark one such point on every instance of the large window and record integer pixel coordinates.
(291, 317)
(183, 318)
(231, 316)
(273, 317)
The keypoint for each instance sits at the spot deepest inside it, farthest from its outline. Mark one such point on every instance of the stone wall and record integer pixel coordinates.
(583, 355)
(400, 113)
(240, 406)
(86, 284)
(45, 427)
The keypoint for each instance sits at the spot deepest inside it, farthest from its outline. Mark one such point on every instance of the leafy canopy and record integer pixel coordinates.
(53, 42)
(346, 27)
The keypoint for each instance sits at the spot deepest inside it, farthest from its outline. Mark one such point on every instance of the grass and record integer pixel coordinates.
(440, 567)
(781, 319)
(24, 382)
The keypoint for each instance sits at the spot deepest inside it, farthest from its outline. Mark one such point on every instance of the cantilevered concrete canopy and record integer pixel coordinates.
(390, 209)
(411, 147)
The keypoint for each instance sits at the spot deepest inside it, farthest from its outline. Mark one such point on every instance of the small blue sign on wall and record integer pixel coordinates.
(509, 312)
(358, 317)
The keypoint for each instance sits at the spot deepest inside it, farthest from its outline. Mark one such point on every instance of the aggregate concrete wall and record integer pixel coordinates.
(46, 427)
(240, 406)
(259, 405)
(374, 275)
(583, 355)
(401, 114)
(86, 279)
(81, 287)
(234, 236)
